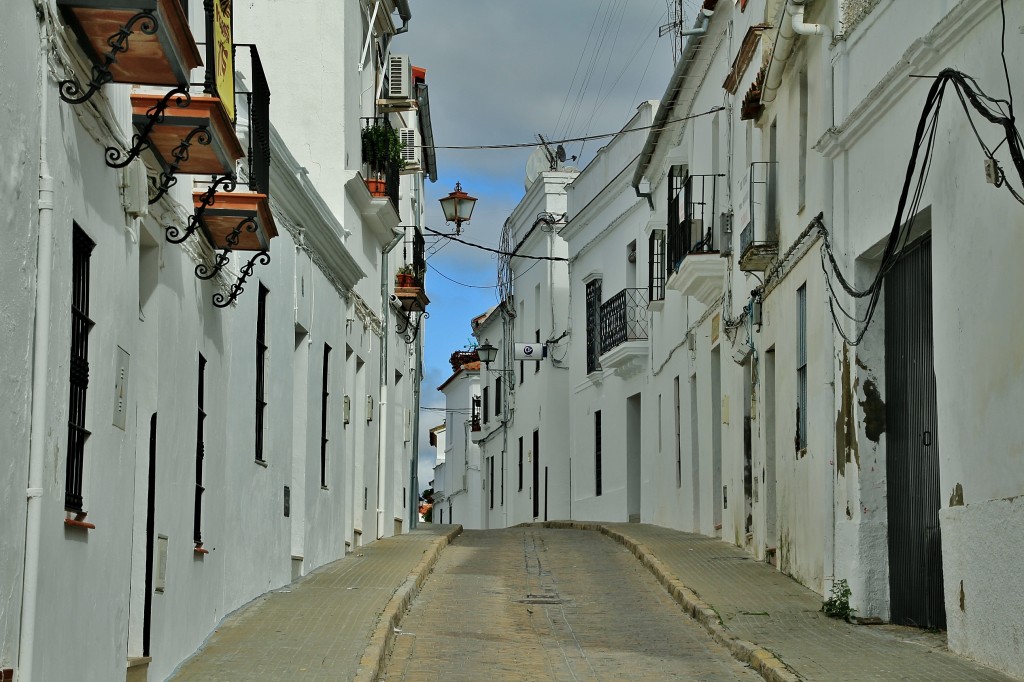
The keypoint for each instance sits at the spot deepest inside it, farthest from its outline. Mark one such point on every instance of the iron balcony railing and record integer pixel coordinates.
(624, 318)
(256, 105)
(691, 220)
(389, 170)
(763, 225)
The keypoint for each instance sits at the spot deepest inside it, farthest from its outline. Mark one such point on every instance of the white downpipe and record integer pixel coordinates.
(40, 370)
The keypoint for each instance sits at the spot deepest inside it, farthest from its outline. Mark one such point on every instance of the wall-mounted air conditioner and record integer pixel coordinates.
(399, 77)
(410, 139)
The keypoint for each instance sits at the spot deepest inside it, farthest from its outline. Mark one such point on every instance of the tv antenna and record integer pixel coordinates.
(676, 24)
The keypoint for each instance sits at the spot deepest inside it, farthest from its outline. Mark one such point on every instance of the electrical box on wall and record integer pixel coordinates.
(121, 358)
(346, 410)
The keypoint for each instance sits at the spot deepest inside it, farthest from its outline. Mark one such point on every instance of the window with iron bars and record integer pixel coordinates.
(81, 324)
(656, 266)
(324, 411)
(261, 366)
(197, 531)
(593, 325)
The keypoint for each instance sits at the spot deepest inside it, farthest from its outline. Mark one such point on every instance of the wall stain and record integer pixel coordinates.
(873, 408)
(847, 447)
(957, 498)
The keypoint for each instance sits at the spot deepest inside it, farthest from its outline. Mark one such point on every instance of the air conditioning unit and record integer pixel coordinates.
(399, 77)
(725, 235)
(410, 139)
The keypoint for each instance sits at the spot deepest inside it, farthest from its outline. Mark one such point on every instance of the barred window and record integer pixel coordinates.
(324, 396)
(261, 366)
(801, 367)
(597, 453)
(81, 324)
(593, 324)
(200, 451)
(656, 266)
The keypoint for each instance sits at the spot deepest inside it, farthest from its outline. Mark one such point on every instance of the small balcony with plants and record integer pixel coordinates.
(624, 328)
(694, 265)
(374, 190)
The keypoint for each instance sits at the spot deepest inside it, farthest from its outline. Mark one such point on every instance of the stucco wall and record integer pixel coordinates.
(19, 173)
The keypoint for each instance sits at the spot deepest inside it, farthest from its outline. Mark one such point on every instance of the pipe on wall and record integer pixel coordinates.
(40, 371)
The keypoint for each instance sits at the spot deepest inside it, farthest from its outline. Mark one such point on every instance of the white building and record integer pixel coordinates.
(611, 450)
(458, 480)
(772, 185)
(182, 458)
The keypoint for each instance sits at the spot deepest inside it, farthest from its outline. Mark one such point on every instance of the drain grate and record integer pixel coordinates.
(541, 599)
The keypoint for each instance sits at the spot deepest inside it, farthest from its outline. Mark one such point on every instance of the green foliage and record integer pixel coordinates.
(381, 147)
(838, 603)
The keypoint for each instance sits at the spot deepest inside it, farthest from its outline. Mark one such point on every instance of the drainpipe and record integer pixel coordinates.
(382, 403)
(40, 370)
(405, 13)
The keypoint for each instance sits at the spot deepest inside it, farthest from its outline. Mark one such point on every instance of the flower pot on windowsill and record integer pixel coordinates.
(378, 188)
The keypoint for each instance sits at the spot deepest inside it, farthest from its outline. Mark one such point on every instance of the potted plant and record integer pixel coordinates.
(406, 277)
(382, 149)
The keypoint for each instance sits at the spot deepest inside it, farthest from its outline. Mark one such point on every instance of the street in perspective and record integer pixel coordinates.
(418, 341)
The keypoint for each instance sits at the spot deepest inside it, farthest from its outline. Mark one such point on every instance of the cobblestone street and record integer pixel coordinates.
(542, 604)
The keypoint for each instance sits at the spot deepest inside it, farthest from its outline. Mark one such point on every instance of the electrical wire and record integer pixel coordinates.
(487, 248)
(565, 140)
(461, 284)
(971, 97)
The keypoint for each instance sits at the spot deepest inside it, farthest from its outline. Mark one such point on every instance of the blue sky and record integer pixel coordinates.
(499, 73)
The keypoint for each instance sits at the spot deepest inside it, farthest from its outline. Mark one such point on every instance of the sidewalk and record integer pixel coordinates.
(772, 622)
(333, 624)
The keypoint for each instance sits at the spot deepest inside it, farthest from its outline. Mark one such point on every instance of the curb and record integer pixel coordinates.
(372, 661)
(760, 659)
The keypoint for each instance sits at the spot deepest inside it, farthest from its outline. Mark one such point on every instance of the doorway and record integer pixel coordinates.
(912, 449)
(633, 415)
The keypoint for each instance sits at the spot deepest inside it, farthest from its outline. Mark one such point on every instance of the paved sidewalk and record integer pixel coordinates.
(764, 612)
(333, 624)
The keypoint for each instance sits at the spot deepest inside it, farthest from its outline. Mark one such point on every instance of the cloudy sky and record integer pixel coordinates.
(502, 72)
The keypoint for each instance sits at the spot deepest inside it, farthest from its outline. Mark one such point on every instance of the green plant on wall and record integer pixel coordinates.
(381, 148)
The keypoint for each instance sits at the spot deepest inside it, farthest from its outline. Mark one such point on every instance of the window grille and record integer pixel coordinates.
(520, 463)
(801, 367)
(593, 324)
(487, 404)
(81, 324)
(261, 364)
(597, 453)
(324, 396)
(197, 531)
(497, 397)
(656, 266)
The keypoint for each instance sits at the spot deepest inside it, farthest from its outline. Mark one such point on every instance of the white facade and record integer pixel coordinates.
(740, 411)
(80, 578)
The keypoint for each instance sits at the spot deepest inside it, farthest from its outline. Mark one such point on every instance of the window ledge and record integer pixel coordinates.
(323, 487)
(79, 523)
(261, 462)
(200, 550)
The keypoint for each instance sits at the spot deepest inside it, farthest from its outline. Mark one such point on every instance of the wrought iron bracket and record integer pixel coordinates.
(407, 327)
(117, 158)
(204, 271)
(222, 301)
(177, 236)
(71, 90)
(179, 155)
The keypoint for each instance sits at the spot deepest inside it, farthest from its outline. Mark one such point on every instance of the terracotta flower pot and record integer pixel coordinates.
(377, 188)
(405, 280)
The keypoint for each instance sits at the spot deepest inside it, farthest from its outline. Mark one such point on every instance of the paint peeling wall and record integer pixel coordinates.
(977, 318)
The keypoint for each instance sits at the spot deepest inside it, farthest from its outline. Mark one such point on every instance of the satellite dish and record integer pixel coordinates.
(560, 153)
(535, 165)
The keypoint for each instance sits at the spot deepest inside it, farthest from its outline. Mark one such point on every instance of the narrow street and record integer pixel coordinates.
(543, 604)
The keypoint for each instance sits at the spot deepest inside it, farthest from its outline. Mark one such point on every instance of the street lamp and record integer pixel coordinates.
(487, 353)
(458, 207)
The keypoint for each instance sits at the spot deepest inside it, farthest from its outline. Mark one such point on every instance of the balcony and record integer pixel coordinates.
(624, 328)
(759, 240)
(694, 265)
(409, 281)
(144, 42)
